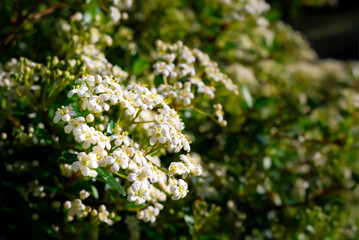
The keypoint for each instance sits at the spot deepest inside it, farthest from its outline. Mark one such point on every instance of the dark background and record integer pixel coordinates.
(333, 31)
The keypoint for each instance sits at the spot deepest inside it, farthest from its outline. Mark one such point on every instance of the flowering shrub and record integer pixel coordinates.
(172, 119)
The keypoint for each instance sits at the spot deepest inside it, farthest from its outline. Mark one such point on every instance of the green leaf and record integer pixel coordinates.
(94, 192)
(132, 205)
(158, 80)
(123, 172)
(154, 153)
(140, 66)
(111, 180)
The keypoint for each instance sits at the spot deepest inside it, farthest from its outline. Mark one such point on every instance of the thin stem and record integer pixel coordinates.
(165, 79)
(137, 114)
(159, 167)
(35, 17)
(89, 87)
(151, 150)
(120, 175)
(204, 113)
(137, 208)
(143, 122)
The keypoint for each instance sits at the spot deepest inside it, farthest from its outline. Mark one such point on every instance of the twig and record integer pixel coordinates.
(26, 20)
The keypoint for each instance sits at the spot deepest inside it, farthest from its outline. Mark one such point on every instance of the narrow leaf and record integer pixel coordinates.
(94, 192)
(140, 66)
(111, 180)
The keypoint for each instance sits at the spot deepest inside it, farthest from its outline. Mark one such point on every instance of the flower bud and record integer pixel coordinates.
(84, 194)
(101, 127)
(67, 205)
(3, 135)
(94, 213)
(124, 16)
(88, 209)
(102, 208)
(223, 123)
(98, 79)
(90, 118)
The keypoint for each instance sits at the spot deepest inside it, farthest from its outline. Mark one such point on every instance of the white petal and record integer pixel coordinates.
(85, 171)
(153, 140)
(86, 144)
(150, 132)
(71, 93)
(173, 189)
(131, 177)
(175, 197)
(76, 166)
(93, 164)
(162, 140)
(66, 118)
(68, 128)
(115, 167)
(57, 118)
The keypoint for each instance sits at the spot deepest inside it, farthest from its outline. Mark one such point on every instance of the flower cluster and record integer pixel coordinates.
(96, 95)
(185, 71)
(149, 214)
(77, 208)
(35, 189)
(256, 7)
(89, 47)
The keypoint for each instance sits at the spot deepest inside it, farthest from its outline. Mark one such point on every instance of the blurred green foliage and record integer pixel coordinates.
(285, 167)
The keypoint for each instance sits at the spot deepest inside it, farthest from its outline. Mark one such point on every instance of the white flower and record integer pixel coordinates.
(180, 190)
(75, 208)
(149, 214)
(86, 135)
(121, 160)
(177, 168)
(81, 91)
(77, 16)
(120, 139)
(65, 114)
(86, 163)
(193, 167)
(101, 155)
(84, 194)
(138, 192)
(103, 215)
(163, 68)
(186, 94)
(103, 141)
(186, 70)
(158, 134)
(115, 14)
(93, 104)
(73, 124)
